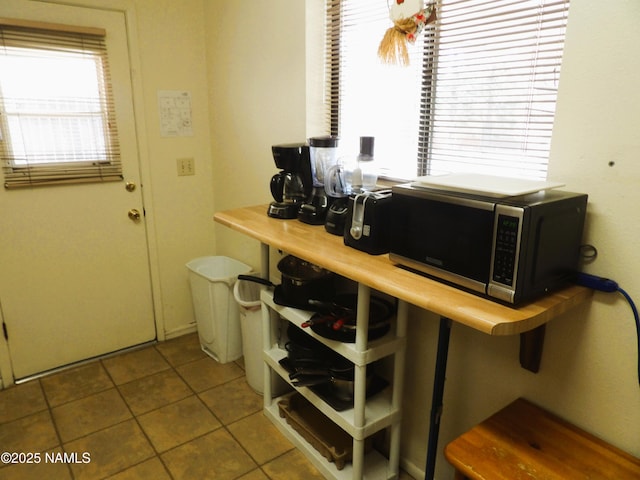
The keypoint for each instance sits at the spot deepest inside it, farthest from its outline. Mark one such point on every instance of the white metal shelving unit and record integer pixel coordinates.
(368, 416)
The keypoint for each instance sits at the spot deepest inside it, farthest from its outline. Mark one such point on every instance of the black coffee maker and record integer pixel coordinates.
(292, 186)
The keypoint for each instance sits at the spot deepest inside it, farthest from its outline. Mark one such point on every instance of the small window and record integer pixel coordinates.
(57, 120)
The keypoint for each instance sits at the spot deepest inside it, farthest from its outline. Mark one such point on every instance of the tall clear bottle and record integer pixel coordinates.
(365, 173)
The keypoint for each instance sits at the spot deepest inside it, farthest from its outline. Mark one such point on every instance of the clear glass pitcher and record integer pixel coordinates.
(337, 181)
(323, 151)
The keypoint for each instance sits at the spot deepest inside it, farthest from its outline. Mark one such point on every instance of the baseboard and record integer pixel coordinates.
(411, 468)
(180, 331)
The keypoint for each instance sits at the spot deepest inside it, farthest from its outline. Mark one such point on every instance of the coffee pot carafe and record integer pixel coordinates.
(291, 186)
(287, 187)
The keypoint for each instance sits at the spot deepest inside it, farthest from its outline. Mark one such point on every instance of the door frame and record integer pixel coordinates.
(127, 8)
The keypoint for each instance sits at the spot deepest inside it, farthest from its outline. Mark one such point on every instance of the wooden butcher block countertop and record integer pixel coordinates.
(314, 244)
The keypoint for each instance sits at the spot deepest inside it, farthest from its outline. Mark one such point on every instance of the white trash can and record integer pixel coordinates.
(217, 316)
(247, 294)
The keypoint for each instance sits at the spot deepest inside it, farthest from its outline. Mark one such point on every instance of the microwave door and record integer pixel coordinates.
(451, 241)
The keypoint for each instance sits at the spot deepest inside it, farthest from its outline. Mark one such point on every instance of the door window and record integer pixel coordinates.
(57, 120)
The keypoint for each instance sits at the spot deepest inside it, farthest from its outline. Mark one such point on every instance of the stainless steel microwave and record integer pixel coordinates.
(510, 249)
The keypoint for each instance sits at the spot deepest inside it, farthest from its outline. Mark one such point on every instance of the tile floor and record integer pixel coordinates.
(166, 411)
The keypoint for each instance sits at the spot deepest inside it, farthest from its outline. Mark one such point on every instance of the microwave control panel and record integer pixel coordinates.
(506, 248)
(506, 237)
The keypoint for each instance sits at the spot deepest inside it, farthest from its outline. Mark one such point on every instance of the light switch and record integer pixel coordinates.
(186, 166)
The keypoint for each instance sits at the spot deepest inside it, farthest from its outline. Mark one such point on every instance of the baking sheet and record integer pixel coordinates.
(488, 185)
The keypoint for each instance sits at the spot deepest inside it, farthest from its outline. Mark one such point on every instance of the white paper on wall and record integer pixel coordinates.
(174, 108)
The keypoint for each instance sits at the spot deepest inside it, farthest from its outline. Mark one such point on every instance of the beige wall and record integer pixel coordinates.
(588, 366)
(257, 98)
(172, 52)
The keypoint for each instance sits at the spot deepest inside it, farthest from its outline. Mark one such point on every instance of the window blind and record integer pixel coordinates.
(369, 98)
(57, 115)
(478, 96)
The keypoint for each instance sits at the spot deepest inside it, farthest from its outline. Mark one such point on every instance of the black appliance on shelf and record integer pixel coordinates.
(367, 222)
(292, 186)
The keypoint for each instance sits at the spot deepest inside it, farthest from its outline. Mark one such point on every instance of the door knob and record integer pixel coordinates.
(134, 214)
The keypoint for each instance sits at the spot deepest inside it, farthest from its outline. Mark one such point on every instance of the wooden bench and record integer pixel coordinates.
(523, 441)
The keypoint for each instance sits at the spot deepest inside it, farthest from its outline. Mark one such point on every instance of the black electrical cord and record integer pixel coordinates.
(607, 285)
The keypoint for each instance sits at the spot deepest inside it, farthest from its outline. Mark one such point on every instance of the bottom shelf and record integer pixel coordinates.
(376, 466)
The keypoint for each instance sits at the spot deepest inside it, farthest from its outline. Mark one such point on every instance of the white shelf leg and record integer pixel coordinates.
(398, 384)
(267, 342)
(360, 377)
(266, 328)
(358, 459)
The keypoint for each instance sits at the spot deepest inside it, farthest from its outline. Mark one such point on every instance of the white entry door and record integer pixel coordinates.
(74, 267)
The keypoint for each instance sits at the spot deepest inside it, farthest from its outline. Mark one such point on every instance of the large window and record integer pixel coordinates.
(56, 114)
(477, 96)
